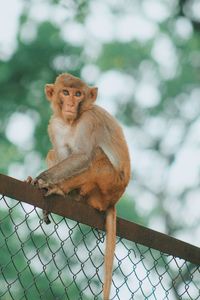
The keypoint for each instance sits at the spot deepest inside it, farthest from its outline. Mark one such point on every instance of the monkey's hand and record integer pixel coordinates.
(42, 184)
(31, 180)
(43, 181)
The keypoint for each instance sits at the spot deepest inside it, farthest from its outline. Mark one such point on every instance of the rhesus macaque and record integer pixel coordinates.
(89, 153)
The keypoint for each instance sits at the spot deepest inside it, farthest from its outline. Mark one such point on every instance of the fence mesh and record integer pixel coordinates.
(64, 260)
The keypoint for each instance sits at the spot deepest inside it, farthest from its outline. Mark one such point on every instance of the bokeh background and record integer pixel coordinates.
(144, 56)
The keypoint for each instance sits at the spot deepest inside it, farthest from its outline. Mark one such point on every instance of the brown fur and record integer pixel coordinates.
(89, 153)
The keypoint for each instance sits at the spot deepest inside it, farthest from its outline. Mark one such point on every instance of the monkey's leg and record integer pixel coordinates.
(96, 182)
(82, 181)
(100, 170)
(96, 200)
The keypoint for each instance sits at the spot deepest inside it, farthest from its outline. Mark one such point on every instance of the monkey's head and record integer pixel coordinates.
(70, 96)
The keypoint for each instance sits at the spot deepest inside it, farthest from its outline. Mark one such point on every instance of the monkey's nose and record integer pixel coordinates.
(70, 104)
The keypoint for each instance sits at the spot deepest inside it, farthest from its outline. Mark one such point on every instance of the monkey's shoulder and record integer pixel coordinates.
(108, 135)
(101, 119)
(100, 112)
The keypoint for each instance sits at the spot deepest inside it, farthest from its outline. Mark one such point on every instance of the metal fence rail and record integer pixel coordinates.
(65, 259)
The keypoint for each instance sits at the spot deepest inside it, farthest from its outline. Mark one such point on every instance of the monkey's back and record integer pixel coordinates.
(111, 140)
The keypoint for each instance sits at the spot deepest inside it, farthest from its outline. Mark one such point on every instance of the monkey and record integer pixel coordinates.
(89, 153)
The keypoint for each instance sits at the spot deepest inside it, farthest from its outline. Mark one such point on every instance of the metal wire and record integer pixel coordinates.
(64, 260)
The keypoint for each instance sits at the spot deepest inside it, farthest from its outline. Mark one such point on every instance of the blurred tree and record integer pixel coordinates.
(161, 114)
(188, 9)
(22, 83)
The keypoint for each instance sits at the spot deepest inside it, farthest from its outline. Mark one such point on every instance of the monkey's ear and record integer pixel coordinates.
(49, 91)
(93, 93)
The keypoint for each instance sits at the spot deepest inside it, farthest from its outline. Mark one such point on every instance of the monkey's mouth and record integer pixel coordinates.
(69, 115)
(69, 112)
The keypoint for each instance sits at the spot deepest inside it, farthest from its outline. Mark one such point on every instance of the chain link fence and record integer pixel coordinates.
(64, 260)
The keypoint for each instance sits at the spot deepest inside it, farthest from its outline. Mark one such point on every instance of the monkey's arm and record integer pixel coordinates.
(73, 165)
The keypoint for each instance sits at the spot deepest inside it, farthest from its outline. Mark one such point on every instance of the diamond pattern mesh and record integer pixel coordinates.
(64, 260)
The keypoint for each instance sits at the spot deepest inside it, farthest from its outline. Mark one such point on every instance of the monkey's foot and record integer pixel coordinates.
(78, 197)
(41, 184)
(46, 217)
(51, 188)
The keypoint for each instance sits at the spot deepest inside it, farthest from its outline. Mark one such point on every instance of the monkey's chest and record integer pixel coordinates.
(63, 142)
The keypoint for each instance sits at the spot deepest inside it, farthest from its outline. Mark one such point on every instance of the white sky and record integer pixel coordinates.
(9, 14)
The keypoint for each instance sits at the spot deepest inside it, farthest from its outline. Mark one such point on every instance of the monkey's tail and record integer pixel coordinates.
(109, 251)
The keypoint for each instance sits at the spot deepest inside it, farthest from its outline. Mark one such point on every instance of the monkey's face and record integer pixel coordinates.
(70, 96)
(70, 100)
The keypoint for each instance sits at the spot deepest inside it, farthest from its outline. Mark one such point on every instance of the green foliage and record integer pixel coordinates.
(126, 209)
(8, 151)
(123, 56)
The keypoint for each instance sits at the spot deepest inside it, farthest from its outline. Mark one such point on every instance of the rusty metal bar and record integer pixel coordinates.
(78, 211)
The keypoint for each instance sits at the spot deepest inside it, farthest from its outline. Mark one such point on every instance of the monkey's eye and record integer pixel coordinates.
(78, 94)
(65, 92)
